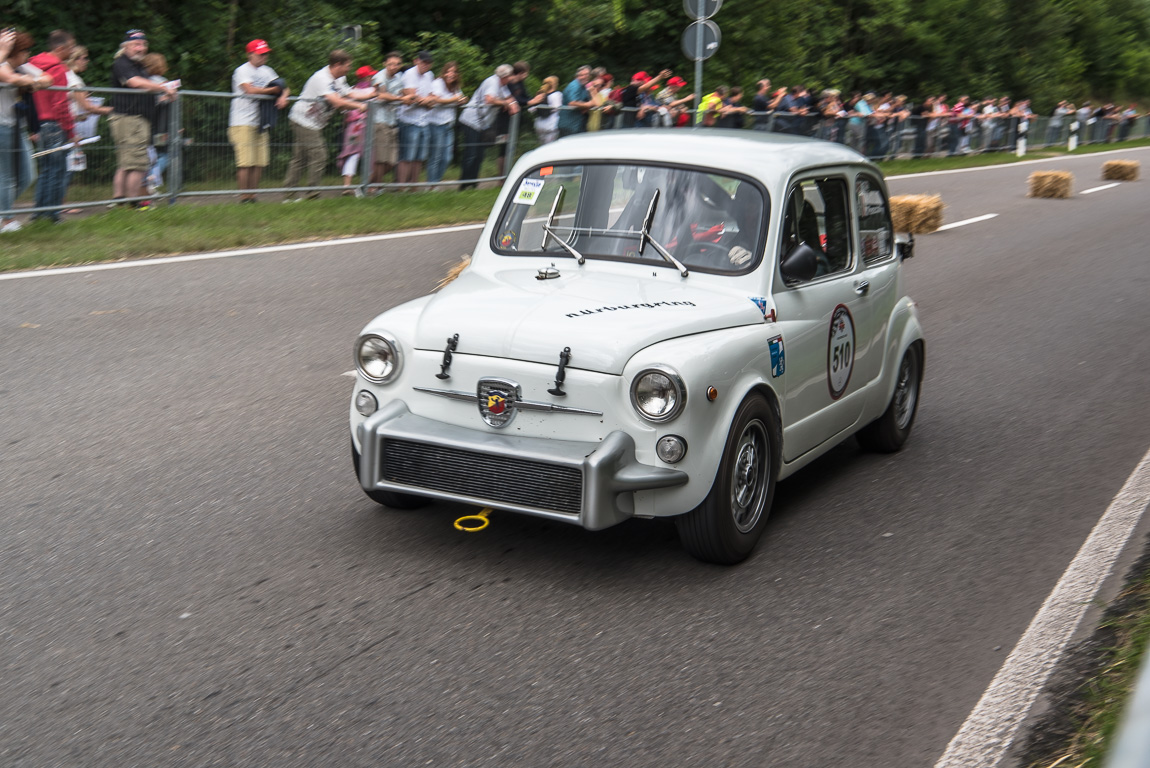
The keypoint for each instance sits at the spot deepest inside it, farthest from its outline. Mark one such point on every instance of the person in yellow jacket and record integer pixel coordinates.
(708, 112)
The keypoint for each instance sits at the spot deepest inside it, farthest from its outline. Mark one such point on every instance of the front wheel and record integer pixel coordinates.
(888, 432)
(726, 526)
(388, 498)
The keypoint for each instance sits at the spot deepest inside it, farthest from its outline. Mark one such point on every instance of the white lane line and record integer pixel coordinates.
(1099, 189)
(349, 374)
(1001, 166)
(991, 727)
(229, 254)
(964, 222)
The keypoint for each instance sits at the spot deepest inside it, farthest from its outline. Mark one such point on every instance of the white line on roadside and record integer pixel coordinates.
(1099, 189)
(991, 727)
(964, 222)
(349, 374)
(1001, 166)
(229, 254)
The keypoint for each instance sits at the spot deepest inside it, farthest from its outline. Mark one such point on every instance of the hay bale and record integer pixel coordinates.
(455, 271)
(1120, 170)
(1050, 184)
(916, 214)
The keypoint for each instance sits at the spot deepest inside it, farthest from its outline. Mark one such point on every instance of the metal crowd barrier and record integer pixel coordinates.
(200, 160)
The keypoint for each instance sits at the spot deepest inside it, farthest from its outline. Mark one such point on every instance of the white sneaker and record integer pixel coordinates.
(12, 226)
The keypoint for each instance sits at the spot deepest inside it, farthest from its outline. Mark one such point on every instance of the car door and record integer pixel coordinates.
(877, 276)
(820, 318)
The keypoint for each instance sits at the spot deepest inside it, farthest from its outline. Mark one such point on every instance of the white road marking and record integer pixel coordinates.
(1099, 189)
(228, 254)
(964, 222)
(1000, 166)
(991, 727)
(349, 374)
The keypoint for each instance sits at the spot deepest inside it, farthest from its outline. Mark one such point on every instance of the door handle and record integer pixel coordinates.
(862, 287)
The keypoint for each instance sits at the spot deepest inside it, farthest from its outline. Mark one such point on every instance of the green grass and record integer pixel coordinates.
(925, 164)
(1096, 709)
(189, 228)
(201, 224)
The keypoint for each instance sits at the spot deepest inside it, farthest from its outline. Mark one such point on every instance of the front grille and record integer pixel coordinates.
(500, 479)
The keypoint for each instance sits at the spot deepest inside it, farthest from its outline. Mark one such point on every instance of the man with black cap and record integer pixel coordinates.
(246, 133)
(414, 115)
(131, 115)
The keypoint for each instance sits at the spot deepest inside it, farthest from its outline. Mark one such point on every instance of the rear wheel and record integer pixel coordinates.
(388, 498)
(726, 526)
(888, 432)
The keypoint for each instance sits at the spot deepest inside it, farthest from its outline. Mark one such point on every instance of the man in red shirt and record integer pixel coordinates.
(53, 109)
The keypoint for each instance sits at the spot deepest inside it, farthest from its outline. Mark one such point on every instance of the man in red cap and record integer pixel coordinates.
(672, 109)
(247, 132)
(634, 109)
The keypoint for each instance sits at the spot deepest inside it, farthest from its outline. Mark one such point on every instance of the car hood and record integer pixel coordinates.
(604, 318)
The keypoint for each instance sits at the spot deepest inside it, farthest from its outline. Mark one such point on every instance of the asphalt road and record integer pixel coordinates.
(190, 575)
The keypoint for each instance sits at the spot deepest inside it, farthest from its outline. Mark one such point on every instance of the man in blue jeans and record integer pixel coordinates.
(54, 110)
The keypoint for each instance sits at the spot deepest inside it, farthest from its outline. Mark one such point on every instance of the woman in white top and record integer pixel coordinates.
(441, 122)
(16, 171)
(85, 112)
(545, 106)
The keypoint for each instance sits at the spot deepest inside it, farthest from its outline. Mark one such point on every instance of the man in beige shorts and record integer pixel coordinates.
(247, 132)
(131, 119)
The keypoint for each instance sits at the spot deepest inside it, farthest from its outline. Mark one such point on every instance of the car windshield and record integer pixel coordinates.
(709, 221)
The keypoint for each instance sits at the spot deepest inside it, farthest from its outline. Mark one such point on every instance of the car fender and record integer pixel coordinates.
(903, 330)
(735, 362)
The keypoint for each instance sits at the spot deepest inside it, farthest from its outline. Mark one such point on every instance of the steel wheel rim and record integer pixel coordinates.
(906, 392)
(750, 476)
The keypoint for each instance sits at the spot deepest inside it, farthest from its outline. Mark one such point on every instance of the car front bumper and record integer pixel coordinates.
(583, 483)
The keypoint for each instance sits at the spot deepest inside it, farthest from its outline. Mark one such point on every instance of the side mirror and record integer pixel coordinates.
(800, 263)
(904, 245)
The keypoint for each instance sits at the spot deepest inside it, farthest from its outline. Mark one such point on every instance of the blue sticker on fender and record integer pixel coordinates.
(778, 357)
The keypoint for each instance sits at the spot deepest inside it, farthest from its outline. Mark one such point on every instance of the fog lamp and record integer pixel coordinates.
(365, 403)
(671, 449)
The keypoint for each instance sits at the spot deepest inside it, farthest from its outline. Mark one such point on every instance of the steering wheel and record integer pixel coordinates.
(704, 253)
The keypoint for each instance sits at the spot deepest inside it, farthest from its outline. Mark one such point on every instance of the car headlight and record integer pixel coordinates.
(658, 394)
(377, 358)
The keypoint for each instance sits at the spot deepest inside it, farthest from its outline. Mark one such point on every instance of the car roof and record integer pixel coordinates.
(768, 156)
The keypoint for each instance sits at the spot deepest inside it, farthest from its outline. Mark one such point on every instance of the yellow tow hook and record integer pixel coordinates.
(473, 523)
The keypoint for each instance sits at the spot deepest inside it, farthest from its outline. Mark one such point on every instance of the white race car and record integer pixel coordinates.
(653, 324)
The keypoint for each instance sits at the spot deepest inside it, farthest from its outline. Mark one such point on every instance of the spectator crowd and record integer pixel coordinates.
(406, 122)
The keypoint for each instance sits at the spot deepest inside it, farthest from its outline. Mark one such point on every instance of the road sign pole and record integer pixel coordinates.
(698, 67)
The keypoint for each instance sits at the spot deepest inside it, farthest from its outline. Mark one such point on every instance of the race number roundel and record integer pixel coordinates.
(840, 351)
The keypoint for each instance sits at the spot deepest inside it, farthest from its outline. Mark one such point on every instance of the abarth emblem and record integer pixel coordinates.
(497, 399)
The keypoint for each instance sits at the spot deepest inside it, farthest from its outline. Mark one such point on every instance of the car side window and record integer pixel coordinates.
(876, 235)
(818, 215)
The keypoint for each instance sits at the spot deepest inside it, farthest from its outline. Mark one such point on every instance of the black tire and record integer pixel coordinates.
(725, 528)
(387, 498)
(889, 432)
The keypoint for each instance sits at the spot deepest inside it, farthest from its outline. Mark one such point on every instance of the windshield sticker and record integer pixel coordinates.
(509, 239)
(528, 191)
(650, 305)
(840, 351)
(778, 357)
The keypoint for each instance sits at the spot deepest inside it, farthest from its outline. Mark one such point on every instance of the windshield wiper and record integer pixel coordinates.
(549, 233)
(645, 236)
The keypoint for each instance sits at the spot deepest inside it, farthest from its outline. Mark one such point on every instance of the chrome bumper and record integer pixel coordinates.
(588, 484)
